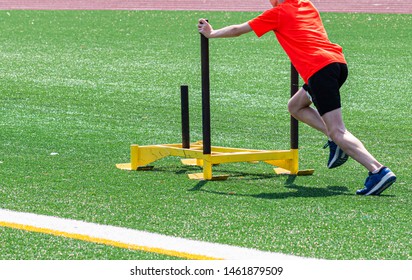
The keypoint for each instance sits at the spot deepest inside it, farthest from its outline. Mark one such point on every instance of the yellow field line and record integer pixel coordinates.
(107, 242)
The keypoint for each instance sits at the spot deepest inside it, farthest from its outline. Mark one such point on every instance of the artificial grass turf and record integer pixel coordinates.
(22, 245)
(87, 84)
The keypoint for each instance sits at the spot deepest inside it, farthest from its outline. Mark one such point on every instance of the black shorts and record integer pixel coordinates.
(324, 87)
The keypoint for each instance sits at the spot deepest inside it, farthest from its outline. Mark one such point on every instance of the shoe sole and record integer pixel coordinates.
(385, 183)
(336, 160)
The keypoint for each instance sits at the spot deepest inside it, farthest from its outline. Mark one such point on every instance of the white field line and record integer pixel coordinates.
(132, 239)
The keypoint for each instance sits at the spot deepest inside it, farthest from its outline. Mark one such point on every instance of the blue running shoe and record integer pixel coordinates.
(337, 156)
(375, 184)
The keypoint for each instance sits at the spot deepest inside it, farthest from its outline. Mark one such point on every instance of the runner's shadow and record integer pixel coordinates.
(295, 191)
(304, 191)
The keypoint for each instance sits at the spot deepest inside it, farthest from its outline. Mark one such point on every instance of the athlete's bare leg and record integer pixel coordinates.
(331, 124)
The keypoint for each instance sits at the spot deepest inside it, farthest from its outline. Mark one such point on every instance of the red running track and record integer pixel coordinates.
(364, 6)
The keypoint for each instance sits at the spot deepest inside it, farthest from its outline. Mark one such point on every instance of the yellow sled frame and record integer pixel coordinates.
(141, 156)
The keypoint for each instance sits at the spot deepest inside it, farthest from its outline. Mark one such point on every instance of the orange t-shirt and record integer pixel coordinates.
(300, 32)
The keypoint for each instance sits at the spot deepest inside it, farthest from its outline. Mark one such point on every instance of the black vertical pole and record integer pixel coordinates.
(294, 125)
(204, 45)
(184, 99)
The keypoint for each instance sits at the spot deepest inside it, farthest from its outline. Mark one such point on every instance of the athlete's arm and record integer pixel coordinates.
(229, 31)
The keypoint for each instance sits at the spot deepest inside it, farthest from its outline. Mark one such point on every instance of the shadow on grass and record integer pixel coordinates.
(295, 191)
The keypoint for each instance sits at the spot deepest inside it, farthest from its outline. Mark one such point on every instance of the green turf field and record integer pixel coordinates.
(78, 87)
